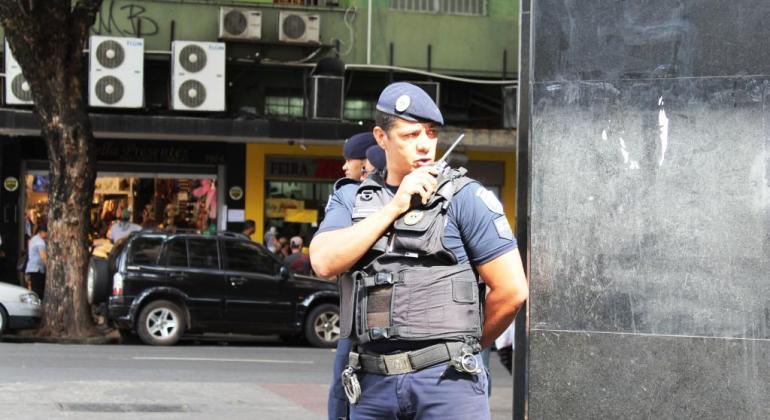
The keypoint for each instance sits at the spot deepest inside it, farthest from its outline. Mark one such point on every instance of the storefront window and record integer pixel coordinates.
(150, 202)
(297, 190)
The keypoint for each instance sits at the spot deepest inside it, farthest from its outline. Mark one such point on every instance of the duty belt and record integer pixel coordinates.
(458, 353)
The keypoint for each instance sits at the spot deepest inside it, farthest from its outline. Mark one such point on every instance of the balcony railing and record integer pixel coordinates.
(452, 7)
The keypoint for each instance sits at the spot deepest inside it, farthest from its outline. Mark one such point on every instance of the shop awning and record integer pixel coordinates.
(21, 122)
(17, 122)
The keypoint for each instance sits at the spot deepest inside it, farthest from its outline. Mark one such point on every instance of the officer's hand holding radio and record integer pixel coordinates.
(420, 183)
(420, 199)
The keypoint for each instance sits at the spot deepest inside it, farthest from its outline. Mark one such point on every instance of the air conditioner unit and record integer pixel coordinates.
(17, 90)
(240, 24)
(299, 27)
(327, 94)
(433, 89)
(116, 72)
(198, 76)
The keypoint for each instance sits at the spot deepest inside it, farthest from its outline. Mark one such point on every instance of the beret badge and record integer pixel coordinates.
(402, 103)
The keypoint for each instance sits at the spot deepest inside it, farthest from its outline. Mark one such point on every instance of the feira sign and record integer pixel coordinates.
(281, 167)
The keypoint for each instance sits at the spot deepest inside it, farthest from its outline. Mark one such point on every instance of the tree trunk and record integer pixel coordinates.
(73, 172)
(47, 39)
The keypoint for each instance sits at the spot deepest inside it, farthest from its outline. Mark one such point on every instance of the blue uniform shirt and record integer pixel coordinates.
(476, 229)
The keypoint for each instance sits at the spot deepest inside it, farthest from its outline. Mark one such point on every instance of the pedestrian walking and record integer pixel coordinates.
(34, 273)
(270, 239)
(249, 228)
(297, 261)
(281, 248)
(123, 227)
(407, 244)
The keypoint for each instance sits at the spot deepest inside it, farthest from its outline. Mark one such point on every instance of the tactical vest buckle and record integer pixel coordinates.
(377, 333)
(383, 278)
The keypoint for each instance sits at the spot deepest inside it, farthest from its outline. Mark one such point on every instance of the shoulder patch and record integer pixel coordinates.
(503, 228)
(489, 199)
(366, 195)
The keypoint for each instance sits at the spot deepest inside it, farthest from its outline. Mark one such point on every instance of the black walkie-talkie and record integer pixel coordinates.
(440, 166)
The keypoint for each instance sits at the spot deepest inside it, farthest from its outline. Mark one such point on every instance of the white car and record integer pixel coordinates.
(19, 308)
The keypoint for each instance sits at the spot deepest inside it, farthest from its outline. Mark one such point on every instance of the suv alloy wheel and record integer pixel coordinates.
(161, 323)
(322, 328)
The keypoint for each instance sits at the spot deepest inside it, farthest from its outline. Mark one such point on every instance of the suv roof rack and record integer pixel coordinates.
(187, 231)
(232, 234)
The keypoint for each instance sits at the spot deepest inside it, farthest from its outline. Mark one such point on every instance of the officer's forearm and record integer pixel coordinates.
(499, 312)
(507, 292)
(334, 252)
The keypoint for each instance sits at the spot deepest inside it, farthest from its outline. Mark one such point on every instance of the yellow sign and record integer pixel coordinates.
(301, 216)
(276, 207)
(11, 183)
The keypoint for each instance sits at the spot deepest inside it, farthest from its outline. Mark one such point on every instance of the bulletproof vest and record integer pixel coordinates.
(409, 286)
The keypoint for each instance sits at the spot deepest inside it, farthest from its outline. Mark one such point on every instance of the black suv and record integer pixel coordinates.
(161, 285)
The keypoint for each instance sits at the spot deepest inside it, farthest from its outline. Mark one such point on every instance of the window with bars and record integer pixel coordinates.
(308, 2)
(285, 106)
(452, 7)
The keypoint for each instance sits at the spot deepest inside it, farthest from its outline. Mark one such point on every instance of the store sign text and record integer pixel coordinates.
(301, 168)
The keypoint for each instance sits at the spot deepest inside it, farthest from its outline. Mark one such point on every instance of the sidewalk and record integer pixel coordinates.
(161, 400)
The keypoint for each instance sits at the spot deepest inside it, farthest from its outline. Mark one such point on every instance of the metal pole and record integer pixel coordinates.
(430, 57)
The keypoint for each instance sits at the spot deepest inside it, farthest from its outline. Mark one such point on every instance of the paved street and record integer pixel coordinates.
(255, 380)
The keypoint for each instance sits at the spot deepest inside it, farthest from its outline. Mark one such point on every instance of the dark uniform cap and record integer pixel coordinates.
(355, 147)
(376, 156)
(409, 102)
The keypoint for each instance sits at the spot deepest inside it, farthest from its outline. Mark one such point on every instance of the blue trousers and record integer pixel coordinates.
(337, 407)
(438, 392)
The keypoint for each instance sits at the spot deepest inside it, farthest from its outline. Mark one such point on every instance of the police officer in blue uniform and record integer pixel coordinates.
(356, 161)
(375, 159)
(410, 244)
(354, 152)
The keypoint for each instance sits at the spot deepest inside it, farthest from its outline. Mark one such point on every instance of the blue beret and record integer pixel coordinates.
(409, 102)
(376, 156)
(355, 147)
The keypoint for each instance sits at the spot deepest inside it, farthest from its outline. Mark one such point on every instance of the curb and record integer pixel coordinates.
(107, 339)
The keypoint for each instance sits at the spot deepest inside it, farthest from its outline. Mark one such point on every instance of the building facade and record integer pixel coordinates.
(260, 137)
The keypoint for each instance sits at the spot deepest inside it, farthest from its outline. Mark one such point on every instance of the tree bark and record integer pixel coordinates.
(47, 38)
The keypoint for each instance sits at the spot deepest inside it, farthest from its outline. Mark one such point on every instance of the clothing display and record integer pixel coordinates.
(165, 203)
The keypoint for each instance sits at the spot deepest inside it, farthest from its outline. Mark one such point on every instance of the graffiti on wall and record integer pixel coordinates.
(124, 19)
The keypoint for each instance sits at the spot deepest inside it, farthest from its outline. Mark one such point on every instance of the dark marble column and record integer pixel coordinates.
(649, 218)
(524, 107)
